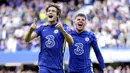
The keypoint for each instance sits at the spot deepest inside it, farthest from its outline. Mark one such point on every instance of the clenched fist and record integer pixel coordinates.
(33, 25)
(59, 26)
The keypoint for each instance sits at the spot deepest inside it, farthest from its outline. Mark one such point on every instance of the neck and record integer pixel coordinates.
(52, 22)
(79, 31)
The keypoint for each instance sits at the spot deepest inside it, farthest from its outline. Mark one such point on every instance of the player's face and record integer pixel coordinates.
(80, 22)
(52, 14)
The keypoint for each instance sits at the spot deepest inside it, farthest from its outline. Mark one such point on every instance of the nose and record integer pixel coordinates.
(50, 12)
(80, 20)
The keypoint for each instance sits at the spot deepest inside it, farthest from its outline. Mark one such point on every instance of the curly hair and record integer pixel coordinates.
(57, 7)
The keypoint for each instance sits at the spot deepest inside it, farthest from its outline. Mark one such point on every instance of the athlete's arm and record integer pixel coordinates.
(98, 53)
(68, 37)
(31, 34)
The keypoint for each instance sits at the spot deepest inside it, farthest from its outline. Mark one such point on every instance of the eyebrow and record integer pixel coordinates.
(79, 19)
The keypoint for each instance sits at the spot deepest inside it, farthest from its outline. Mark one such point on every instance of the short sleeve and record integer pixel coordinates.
(38, 30)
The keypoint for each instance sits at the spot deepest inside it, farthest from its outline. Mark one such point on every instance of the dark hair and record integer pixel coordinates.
(80, 14)
(57, 7)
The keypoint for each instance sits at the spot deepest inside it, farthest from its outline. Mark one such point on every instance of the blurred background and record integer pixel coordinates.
(108, 19)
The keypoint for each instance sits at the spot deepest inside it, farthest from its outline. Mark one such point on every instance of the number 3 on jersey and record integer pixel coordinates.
(79, 50)
(50, 41)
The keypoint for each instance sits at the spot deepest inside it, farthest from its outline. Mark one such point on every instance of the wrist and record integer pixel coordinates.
(62, 30)
(32, 29)
(104, 69)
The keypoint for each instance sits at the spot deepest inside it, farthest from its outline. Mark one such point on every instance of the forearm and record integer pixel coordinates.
(68, 37)
(99, 57)
(100, 60)
(98, 54)
(28, 35)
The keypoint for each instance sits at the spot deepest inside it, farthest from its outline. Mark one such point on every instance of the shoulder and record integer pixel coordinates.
(40, 27)
(65, 24)
(72, 31)
(66, 27)
(91, 34)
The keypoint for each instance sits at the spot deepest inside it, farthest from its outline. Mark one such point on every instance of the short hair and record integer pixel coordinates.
(56, 6)
(80, 14)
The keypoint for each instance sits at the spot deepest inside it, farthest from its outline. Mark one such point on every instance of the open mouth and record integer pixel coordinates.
(80, 25)
(50, 16)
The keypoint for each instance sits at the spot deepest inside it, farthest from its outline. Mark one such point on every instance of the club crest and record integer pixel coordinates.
(87, 39)
(56, 31)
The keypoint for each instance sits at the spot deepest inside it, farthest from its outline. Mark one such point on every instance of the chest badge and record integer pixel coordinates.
(87, 39)
(56, 31)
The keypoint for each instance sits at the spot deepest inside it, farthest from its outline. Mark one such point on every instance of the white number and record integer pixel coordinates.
(50, 41)
(79, 50)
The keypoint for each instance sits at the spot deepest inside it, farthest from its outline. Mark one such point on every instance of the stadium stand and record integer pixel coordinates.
(108, 19)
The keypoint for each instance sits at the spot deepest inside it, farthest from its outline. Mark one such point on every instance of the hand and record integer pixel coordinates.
(59, 26)
(105, 70)
(46, 24)
(33, 25)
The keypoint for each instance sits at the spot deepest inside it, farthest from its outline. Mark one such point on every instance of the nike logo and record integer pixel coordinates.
(43, 30)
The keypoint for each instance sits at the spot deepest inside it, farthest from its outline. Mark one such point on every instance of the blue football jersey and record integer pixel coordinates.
(52, 46)
(80, 51)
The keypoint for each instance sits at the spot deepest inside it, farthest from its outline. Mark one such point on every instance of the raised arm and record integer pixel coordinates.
(31, 34)
(68, 37)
